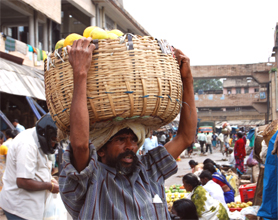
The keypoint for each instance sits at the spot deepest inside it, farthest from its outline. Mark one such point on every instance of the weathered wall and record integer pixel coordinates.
(51, 8)
(258, 71)
(221, 100)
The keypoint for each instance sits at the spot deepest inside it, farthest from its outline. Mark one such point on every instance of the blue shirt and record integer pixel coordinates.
(20, 128)
(100, 192)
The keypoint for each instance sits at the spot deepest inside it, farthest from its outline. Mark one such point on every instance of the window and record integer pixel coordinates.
(229, 91)
(246, 90)
(256, 89)
(238, 90)
(109, 23)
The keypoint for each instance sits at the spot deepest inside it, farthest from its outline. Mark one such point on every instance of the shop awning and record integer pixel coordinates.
(21, 80)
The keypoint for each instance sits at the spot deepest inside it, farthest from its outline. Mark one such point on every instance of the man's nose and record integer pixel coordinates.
(128, 144)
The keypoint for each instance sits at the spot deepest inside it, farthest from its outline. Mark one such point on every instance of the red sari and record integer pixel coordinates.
(240, 153)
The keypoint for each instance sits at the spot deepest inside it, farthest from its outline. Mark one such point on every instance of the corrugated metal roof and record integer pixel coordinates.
(21, 80)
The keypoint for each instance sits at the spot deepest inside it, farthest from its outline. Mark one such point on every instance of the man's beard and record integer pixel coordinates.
(117, 163)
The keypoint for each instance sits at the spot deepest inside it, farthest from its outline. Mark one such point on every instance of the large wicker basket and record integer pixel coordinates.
(269, 131)
(129, 79)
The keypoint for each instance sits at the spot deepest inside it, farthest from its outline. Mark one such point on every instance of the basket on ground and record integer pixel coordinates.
(129, 79)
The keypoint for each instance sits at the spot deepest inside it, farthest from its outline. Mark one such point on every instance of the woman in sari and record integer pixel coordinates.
(229, 192)
(207, 207)
(240, 153)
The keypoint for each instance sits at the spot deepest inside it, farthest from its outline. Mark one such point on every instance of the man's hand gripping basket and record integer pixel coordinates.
(132, 78)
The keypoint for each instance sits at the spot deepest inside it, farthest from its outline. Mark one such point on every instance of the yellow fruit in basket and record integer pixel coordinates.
(117, 32)
(112, 36)
(99, 33)
(88, 31)
(176, 194)
(59, 44)
(250, 203)
(238, 202)
(229, 205)
(169, 194)
(175, 199)
(71, 38)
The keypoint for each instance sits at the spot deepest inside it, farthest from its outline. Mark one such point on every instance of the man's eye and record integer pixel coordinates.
(121, 139)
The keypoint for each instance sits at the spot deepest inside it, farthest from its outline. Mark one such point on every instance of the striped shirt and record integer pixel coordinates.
(100, 192)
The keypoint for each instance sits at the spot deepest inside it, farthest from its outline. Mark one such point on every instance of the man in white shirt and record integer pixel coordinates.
(18, 126)
(149, 144)
(163, 139)
(221, 139)
(202, 138)
(27, 178)
(213, 188)
(208, 143)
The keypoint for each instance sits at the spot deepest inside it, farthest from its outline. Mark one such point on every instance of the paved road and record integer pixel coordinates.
(184, 168)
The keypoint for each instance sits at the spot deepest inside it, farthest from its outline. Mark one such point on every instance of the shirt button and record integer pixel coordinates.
(141, 217)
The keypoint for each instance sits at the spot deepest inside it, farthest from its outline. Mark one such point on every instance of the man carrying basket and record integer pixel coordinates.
(108, 181)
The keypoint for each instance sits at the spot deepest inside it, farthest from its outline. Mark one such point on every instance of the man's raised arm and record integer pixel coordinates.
(188, 115)
(80, 57)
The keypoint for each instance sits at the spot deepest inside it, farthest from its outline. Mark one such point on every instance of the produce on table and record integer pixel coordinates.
(239, 204)
(174, 193)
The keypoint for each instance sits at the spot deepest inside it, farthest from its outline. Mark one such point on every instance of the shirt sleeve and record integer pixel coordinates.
(26, 161)
(73, 185)
(159, 163)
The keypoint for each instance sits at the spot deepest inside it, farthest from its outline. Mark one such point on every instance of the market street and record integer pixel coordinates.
(184, 168)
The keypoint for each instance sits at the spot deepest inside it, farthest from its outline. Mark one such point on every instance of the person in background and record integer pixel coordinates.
(27, 178)
(221, 139)
(207, 207)
(163, 139)
(216, 166)
(220, 179)
(208, 143)
(18, 126)
(149, 144)
(239, 153)
(214, 140)
(202, 138)
(3, 156)
(184, 209)
(3, 148)
(213, 188)
(195, 166)
(10, 135)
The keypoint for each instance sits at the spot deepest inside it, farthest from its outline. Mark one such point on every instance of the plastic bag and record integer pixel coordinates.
(251, 210)
(250, 161)
(54, 208)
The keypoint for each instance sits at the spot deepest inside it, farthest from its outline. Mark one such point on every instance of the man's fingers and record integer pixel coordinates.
(80, 42)
(68, 49)
(92, 47)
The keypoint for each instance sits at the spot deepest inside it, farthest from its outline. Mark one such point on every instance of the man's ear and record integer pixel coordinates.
(101, 152)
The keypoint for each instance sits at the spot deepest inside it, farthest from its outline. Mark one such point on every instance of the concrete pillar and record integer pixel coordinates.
(36, 24)
(45, 35)
(103, 18)
(66, 28)
(93, 21)
(49, 36)
(31, 40)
